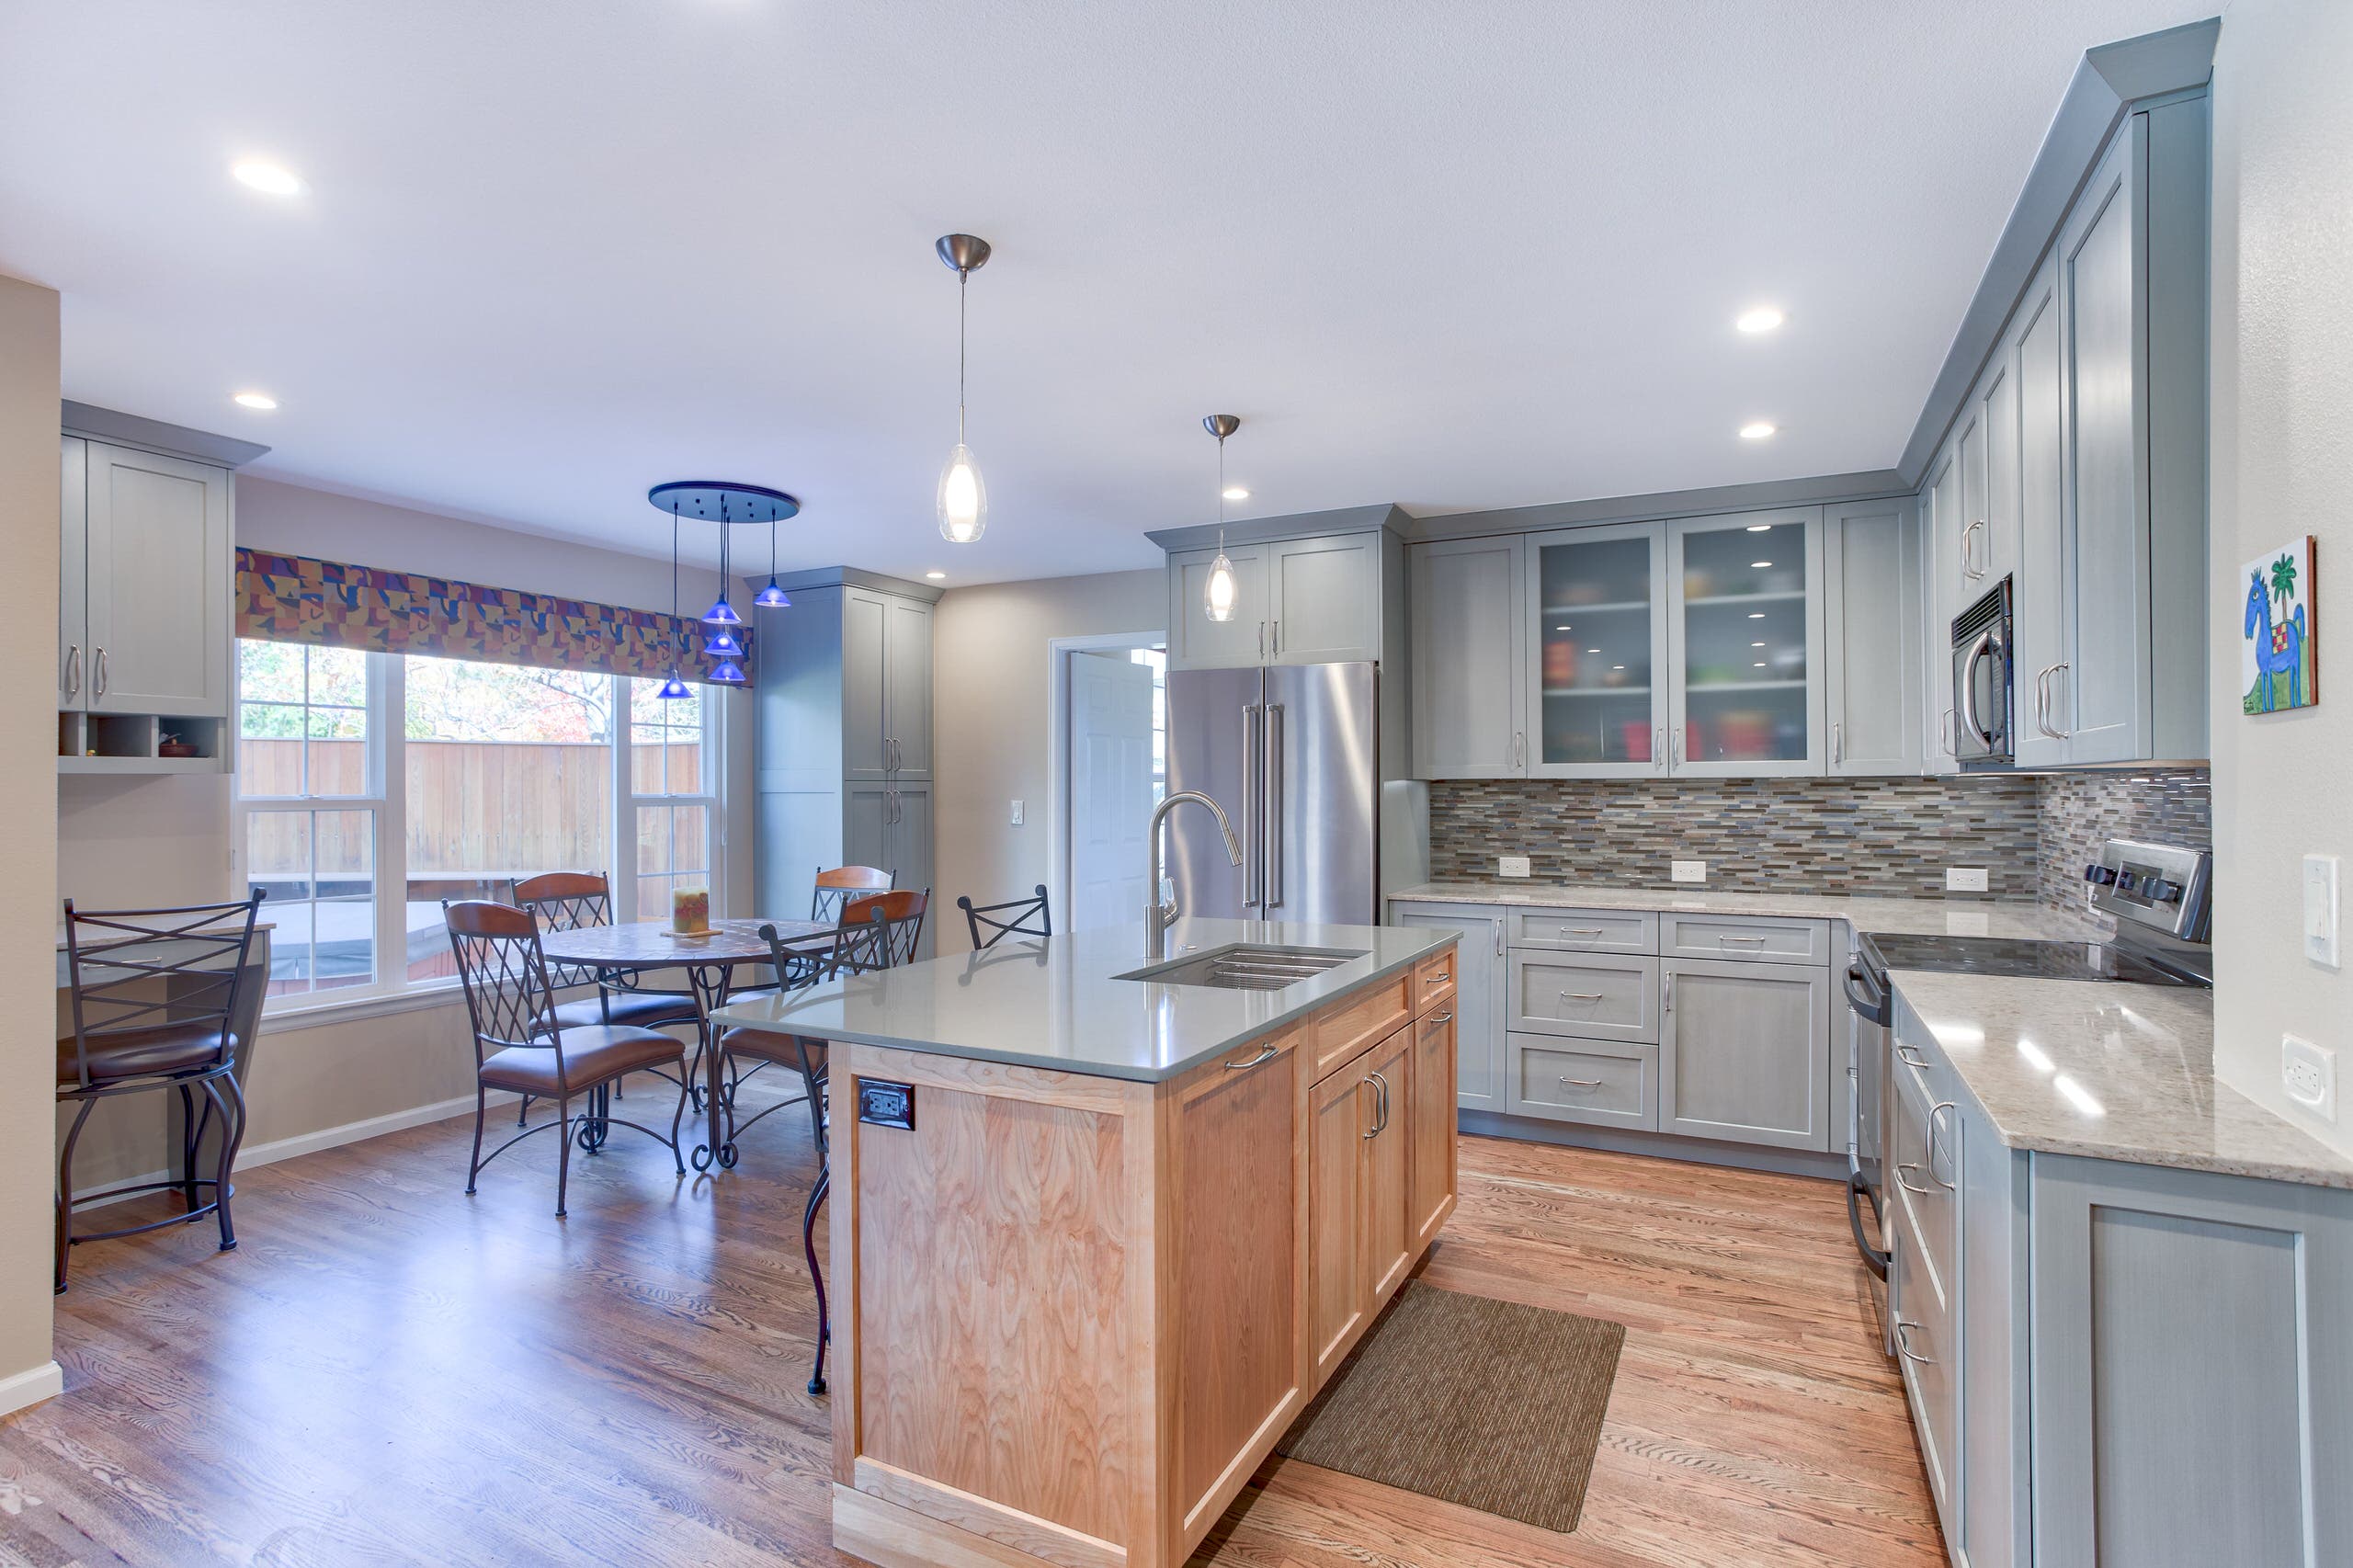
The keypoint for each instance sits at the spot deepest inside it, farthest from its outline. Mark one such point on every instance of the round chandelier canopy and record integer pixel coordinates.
(719, 501)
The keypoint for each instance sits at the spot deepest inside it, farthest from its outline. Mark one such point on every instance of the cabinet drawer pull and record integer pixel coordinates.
(1445, 1017)
(1266, 1054)
(1903, 1344)
(1580, 995)
(1727, 941)
(1437, 979)
(1906, 1184)
(1935, 1111)
(1568, 1082)
(1911, 1058)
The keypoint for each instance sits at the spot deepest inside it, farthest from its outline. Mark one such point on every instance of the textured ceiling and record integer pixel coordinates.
(1452, 255)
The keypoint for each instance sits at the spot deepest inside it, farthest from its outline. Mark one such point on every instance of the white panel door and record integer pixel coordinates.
(1110, 790)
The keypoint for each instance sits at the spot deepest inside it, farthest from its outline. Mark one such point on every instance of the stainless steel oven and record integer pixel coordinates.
(1982, 701)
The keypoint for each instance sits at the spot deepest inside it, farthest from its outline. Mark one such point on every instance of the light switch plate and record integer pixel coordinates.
(1511, 866)
(2320, 909)
(1689, 870)
(1964, 878)
(2308, 1071)
(1016, 813)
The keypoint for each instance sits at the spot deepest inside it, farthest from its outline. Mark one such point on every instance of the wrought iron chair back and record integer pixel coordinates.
(878, 931)
(509, 1000)
(993, 923)
(838, 886)
(568, 901)
(135, 969)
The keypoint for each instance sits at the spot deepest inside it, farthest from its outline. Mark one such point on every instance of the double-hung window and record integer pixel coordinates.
(372, 787)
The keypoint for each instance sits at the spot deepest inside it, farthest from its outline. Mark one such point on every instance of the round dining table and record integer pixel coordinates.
(709, 960)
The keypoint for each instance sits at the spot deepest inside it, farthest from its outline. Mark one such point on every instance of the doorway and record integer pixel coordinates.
(1110, 729)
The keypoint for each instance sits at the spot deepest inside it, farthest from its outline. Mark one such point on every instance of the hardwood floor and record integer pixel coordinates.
(388, 1371)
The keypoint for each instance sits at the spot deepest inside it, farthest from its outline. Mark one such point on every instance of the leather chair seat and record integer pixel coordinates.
(143, 1054)
(767, 1045)
(637, 1009)
(591, 1054)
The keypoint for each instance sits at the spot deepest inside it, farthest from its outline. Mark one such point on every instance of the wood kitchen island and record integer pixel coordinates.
(1096, 1241)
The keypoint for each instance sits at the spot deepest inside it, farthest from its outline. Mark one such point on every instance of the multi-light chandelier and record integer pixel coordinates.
(730, 505)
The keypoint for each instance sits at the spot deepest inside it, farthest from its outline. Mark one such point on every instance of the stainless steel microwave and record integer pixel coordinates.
(1984, 711)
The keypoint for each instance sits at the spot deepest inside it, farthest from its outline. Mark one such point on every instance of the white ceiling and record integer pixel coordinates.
(1454, 255)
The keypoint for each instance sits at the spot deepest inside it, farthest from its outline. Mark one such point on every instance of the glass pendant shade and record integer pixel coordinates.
(723, 645)
(1220, 593)
(675, 688)
(728, 675)
(772, 596)
(963, 499)
(721, 613)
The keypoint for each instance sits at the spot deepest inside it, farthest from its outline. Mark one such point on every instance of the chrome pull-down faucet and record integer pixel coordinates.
(1159, 915)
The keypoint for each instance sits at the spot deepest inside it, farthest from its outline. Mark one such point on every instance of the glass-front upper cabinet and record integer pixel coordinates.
(1598, 599)
(1744, 678)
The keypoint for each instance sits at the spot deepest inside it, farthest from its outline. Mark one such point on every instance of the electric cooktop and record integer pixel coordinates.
(2016, 959)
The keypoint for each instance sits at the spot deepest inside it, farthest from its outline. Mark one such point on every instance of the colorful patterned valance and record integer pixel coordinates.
(293, 598)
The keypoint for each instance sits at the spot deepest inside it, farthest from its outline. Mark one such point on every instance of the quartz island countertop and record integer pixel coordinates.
(1058, 1003)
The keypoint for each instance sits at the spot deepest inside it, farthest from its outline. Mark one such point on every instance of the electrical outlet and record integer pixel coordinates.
(1689, 870)
(1511, 866)
(1016, 813)
(1964, 878)
(2309, 1073)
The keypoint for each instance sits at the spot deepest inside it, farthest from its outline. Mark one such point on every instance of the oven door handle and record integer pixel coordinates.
(1968, 694)
(1858, 1188)
(1870, 1001)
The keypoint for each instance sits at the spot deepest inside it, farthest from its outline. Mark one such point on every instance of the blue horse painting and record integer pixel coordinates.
(2277, 652)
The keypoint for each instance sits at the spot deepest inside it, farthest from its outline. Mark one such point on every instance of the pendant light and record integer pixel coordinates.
(1220, 592)
(721, 613)
(676, 686)
(731, 504)
(772, 596)
(963, 500)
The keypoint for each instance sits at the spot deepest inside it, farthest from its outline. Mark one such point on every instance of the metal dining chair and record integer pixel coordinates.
(876, 931)
(835, 888)
(1015, 917)
(154, 996)
(521, 1044)
(574, 901)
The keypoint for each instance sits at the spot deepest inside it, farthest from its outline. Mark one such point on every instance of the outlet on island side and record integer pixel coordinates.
(1688, 871)
(1511, 865)
(2308, 1072)
(1965, 879)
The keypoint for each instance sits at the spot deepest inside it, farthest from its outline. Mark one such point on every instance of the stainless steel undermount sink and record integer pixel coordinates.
(1246, 966)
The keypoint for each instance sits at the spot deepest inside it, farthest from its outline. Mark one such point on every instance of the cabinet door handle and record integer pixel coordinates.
(1262, 642)
(1668, 1005)
(1383, 1079)
(72, 669)
(1499, 937)
(1944, 733)
(1518, 750)
(1266, 1054)
(1568, 1082)
(1658, 748)
(1934, 1111)
(1275, 637)
(2051, 728)
(1374, 1131)
(98, 669)
(1678, 745)
(1837, 745)
(1903, 1344)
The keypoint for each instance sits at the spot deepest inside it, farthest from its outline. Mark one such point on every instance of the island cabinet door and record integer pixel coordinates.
(1429, 1116)
(1341, 1112)
(1388, 1223)
(1235, 1314)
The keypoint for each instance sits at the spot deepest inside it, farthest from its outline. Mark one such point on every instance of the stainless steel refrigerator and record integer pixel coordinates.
(1292, 754)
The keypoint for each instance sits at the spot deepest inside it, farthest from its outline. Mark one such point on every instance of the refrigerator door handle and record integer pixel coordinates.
(1252, 895)
(1270, 807)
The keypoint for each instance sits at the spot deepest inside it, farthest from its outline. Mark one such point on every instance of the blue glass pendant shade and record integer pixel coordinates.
(722, 644)
(721, 614)
(673, 688)
(728, 675)
(773, 597)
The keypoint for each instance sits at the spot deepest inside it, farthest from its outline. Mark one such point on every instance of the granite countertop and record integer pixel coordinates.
(2113, 1072)
(1057, 1002)
(1894, 916)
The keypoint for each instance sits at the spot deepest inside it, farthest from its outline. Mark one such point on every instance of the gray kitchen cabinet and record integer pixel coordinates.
(1469, 657)
(1873, 671)
(1927, 1321)
(1993, 1525)
(1944, 586)
(1596, 1082)
(1597, 657)
(1744, 693)
(1772, 938)
(1585, 930)
(1577, 994)
(1323, 599)
(1197, 642)
(843, 697)
(1994, 553)
(1744, 1052)
(1478, 994)
(2040, 652)
(151, 551)
(1968, 463)
(2192, 1368)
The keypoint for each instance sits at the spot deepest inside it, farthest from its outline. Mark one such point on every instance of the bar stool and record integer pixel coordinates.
(1015, 917)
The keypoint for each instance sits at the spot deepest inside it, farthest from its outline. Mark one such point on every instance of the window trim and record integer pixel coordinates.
(390, 992)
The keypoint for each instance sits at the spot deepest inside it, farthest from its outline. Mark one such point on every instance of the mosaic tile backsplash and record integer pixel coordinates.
(1892, 837)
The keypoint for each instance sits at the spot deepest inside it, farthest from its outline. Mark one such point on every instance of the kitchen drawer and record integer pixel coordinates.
(1927, 1355)
(1924, 1176)
(1598, 1080)
(1597, 998)
(1434, 981)
(1760, 937)
(1585, 930)
(1349, 1025)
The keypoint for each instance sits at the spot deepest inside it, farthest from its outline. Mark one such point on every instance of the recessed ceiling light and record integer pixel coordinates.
(1564, 629)
(262, 401)
(940, 576)
(1617, 667)
(1756, 430)
(1760, 528)
(1234, 492)
(1593, 650)
(1764, 318)
(270, 179)
(1757, 615)
(1760, 663)
(1756, 645)
(1758, 565)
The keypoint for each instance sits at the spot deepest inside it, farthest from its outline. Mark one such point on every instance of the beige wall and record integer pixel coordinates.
(28, 393)
(167, 840)
(990, 734)
(2282, 410)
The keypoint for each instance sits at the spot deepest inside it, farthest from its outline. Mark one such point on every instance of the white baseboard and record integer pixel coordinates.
(32, 1386)
(255, 1155)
